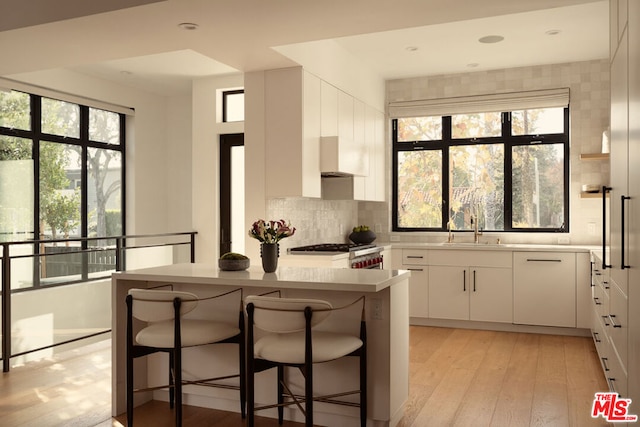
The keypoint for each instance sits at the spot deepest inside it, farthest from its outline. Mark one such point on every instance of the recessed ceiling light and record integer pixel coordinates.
(490, 39)
(552, 32)
(189, 26)
(411, 48)
(472, 65)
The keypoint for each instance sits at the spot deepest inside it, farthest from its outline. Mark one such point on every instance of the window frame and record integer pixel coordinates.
(510, 141)
(37, 137)
(225, 94)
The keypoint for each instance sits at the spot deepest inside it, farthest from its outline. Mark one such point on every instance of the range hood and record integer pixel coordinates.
(342, 157)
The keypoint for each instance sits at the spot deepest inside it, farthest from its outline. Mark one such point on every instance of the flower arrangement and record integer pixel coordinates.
(271, 231)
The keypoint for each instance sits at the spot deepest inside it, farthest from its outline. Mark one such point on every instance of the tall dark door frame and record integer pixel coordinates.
(227, 141)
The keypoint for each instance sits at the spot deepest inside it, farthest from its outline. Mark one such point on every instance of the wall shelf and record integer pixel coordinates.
(585, 195)
(594, 156)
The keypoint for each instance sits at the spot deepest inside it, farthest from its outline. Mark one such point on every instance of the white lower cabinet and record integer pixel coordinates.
(416, 260)
(544, 291)
(481, 292)
(419, 291)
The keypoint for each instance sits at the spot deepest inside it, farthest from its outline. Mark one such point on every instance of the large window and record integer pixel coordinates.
(510, 170)
(61, 176)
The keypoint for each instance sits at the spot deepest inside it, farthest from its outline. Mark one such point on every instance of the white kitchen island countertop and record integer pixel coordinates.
(325, 279)
(386, 295)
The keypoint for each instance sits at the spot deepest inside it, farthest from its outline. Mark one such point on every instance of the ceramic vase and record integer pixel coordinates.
(269, 253)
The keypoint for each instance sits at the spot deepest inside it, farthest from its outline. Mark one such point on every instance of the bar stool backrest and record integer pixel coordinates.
(151, 305)
(286, 315)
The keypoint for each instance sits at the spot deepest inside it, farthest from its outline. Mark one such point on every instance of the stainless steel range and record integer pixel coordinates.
(360, 255)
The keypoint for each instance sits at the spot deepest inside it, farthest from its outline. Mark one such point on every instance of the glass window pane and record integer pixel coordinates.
(477, 186)
(60, 118)
(104, 193)
(104, 126)
(16, 189)
(477, 125)
(15, 110)
(59, 192)
(234, 106)
(538, 186)
(419, 129)
(538, 121)
(420, 189)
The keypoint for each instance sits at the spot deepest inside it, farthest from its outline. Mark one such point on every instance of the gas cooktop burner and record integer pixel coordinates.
(332, 247)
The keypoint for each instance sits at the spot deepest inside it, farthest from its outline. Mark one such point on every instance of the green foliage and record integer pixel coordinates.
(233, 255)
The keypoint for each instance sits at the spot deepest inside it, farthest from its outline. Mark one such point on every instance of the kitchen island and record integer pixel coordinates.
(386, 293)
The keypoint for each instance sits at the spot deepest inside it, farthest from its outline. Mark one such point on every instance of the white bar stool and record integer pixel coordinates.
(168, 331)
(292, 340)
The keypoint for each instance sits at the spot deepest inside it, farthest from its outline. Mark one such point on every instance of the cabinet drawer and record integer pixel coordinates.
(618, 324)
(601, 302)
(415, 257)
(544, 288)
(617, 376)
(463, 258)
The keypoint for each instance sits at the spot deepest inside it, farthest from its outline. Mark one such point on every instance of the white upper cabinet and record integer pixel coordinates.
(292, 133)
(343, 149)
(372, 187)
(313, 128)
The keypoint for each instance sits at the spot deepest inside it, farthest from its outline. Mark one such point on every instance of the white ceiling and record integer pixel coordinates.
(143, 47)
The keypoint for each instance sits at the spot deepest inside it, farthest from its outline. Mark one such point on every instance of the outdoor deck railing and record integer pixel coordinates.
(82, 264)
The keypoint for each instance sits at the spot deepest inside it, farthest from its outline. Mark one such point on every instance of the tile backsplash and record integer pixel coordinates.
(316, 221)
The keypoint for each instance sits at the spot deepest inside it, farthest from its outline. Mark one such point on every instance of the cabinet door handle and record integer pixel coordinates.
(464, 280)
(613, 322)
(605, 190)
(612, 386)
(605, 320)
(604, 363)
(415, 256)
(595, 337)
(623, 265)
(543, 260)
(597, 300)
(474, 280)
(606, 285)
(415, 269)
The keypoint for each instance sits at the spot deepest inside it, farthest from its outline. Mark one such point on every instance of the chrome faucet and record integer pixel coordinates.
(476, 233)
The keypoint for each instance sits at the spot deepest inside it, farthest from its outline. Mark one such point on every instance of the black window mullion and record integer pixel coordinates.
(508, 172)
(84, 210)
(446, 173)
(566, 170)
(36, 128)
(123, 157)
(394, 175)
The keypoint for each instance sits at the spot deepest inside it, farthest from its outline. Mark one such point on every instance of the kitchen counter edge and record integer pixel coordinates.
(326, 279)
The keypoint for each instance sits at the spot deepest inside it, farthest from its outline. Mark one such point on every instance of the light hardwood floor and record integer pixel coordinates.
(458, 377)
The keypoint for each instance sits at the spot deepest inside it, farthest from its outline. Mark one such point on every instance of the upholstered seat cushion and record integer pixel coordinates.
(289, 348)
(193, 332)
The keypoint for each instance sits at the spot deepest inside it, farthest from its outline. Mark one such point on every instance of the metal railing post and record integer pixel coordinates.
(6, 308)
(118, 254)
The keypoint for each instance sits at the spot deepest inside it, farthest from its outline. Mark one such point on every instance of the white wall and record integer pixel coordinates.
(205, 173)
